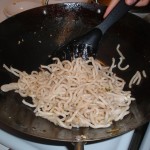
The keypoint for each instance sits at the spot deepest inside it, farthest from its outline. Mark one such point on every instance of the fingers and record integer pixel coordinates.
(143, 3)
(130, 2)
(140, 3)
(111, 5)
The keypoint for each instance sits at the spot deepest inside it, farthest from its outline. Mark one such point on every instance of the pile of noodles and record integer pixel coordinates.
(74, 94)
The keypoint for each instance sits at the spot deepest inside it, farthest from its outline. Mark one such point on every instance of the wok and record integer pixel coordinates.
(26, 41)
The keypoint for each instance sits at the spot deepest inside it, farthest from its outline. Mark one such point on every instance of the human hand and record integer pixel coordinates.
(113, 3)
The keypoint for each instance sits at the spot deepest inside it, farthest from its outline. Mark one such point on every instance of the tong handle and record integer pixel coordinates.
(118, 11)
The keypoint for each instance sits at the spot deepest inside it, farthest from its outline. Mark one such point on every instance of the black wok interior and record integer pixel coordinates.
(27, 40)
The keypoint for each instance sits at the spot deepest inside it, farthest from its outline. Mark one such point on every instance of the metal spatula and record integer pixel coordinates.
(87, 45)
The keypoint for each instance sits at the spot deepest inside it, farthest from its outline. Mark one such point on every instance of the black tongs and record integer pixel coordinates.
(87, 44)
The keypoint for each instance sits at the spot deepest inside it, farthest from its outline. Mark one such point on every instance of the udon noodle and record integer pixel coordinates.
(74, 94)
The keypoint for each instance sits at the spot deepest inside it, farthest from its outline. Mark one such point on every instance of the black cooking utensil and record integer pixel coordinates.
(87, 44)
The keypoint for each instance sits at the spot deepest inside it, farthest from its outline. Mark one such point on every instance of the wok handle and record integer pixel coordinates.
(79, 146)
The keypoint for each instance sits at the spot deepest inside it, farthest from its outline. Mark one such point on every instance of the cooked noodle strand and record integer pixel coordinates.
(74, 94)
